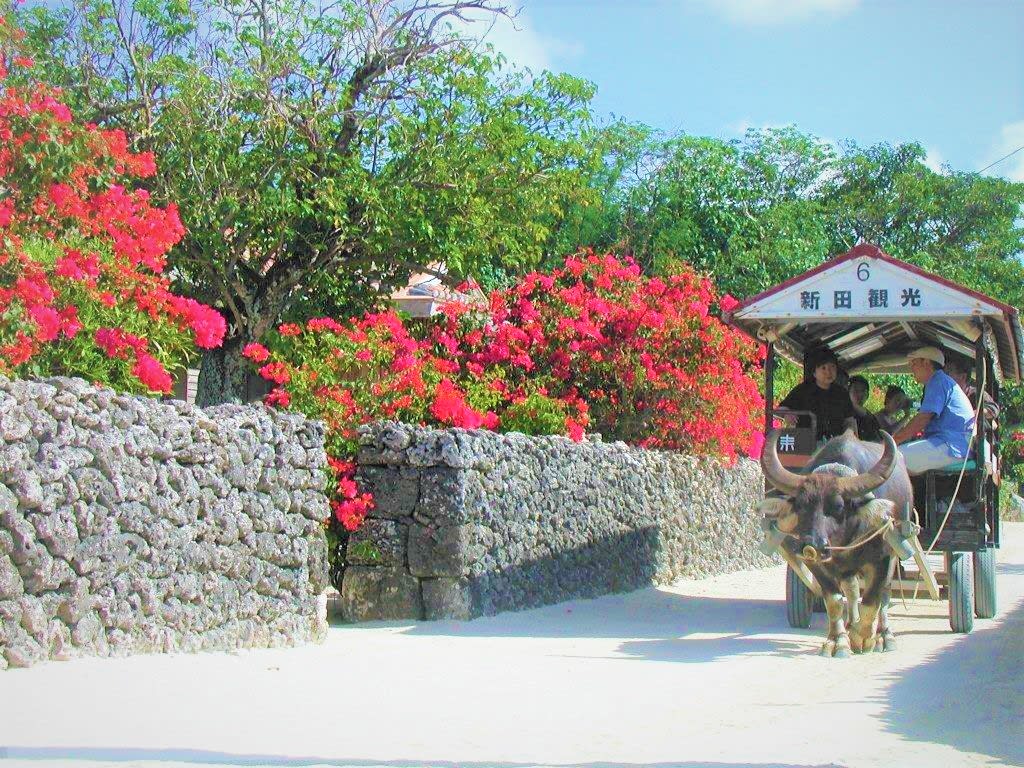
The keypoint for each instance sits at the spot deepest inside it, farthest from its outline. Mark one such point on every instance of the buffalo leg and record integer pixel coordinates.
(862, 634)
(837, 642)
(851, 590)
(884, 631)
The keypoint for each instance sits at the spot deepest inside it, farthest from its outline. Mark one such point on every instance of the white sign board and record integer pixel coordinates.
(866, 289)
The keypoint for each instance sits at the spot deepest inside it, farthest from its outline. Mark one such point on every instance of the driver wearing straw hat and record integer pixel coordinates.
(945, 421)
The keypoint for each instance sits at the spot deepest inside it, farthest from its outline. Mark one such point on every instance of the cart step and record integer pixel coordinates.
(925, 568)
(915, 587)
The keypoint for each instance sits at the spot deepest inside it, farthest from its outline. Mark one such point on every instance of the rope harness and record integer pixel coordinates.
(810, 554)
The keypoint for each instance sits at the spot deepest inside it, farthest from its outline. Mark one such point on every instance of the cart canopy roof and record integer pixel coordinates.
(871, 309)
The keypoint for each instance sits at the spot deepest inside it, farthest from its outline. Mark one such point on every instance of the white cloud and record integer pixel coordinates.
(934, 160)
(767, 12)
(1011, 137)
(520, 42)
(740, 128)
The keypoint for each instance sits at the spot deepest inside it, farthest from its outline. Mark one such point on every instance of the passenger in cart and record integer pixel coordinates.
(821, 395)
(940, 432)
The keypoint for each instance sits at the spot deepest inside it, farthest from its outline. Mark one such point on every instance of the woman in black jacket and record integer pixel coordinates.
(822, 396)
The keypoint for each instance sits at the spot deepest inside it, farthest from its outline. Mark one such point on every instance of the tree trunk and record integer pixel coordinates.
(224, 375)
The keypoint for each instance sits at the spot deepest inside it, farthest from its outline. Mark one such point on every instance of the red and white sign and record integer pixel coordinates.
(865, 287)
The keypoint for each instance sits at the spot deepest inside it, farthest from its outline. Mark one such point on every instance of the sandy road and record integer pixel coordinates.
(705, 673)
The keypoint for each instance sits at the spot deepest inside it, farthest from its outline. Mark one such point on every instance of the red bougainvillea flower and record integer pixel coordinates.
(82, 249)
(278, 397)
(151, 373)
(256, 352)
(276, 372)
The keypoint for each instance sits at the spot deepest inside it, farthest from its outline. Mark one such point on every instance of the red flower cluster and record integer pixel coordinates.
(80, 249)
(640, 359)
(593, 344)
(450, 408)
(350, 507)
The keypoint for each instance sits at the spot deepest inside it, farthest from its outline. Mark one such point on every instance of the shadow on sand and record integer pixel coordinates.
(207, 757)
(970, 696)
(654, 625)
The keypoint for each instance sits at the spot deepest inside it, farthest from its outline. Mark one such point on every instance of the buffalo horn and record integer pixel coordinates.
(851, 487)
(787, 482)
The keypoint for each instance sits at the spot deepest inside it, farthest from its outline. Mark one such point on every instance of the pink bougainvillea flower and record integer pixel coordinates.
(256, 352)
(69, 190)
(151, 373)
(278, 397)
(278, 373)
(728, 303)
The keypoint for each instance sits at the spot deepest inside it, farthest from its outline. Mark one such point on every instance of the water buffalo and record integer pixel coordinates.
(850, 489)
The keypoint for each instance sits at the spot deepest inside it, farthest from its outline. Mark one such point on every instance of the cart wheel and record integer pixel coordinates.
(961, 592)
(985, 583)
(799, 601)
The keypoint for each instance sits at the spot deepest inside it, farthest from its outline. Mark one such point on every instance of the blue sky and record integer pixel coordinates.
(949, 75)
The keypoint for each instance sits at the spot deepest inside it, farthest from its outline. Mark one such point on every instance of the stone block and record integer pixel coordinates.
(449, 495)
(11, 584)
(318, 564)
(375, 594)
(447, 598)
(441, 550)
(379, 543)
(395, 490)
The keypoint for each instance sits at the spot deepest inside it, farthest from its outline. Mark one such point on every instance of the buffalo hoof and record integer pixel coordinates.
(888, 641)
(836, 649)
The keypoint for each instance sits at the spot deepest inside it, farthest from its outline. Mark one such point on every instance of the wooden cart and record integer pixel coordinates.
(870, 309)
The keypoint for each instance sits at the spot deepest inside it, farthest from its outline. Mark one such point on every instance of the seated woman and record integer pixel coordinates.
(867, 423)
(896, 411)
(819, 394)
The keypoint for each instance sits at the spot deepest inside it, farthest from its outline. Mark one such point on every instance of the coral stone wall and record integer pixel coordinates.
(130, 525)
(470, 523)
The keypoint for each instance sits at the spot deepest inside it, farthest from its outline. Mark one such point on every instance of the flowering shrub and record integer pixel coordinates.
(368, 369)
(81, 253)
(637, 359)
(592, 344)
(1013, 455)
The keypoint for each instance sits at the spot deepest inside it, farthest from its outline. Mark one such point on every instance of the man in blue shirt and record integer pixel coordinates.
(945, 420)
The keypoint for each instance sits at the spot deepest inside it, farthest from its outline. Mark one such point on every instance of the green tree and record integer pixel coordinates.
(732, 209)
(321, 152)
(622, 158)
(756, 211)
(966, 226)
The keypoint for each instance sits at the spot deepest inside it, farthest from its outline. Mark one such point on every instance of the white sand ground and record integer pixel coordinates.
(705, 673)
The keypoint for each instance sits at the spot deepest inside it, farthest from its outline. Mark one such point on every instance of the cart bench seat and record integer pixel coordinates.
(956, 466)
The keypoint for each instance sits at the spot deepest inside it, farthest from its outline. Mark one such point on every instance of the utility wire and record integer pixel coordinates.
(1018, 149)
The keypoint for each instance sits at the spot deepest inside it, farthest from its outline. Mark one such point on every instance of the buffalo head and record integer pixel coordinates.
(817, 506)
